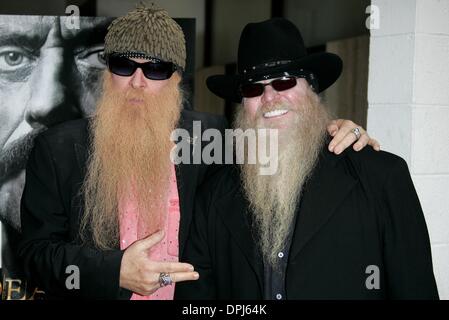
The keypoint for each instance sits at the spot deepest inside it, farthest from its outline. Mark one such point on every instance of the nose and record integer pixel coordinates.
(47, 104)
(138, 79)
(269, 94)
(48, 99)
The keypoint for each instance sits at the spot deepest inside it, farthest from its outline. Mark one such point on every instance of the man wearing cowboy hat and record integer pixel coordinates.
(298, 234)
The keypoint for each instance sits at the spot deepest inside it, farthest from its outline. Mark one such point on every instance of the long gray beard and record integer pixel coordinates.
(274, 198)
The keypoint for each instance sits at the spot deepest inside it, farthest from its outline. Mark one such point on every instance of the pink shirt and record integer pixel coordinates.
(167, 249)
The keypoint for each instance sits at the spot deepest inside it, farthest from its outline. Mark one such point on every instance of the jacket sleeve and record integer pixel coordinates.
(407, 251)
(50, 257)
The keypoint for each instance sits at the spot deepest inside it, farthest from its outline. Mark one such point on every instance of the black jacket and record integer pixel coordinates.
(358, 209)
(52, 205)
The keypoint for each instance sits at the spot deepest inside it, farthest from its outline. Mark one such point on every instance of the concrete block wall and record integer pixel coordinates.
(408, 97)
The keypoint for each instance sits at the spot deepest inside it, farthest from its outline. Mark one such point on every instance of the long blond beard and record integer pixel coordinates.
(274, 198)
(130, 151)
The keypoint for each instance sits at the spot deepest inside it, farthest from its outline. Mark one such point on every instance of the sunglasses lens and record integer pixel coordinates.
(283, 84)
(121, 66)
(152, 70)
(158, 70)
(251, 90)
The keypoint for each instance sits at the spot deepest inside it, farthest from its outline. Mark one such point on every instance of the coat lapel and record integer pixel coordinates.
(232, 211)
(326, 189)
(186, 177)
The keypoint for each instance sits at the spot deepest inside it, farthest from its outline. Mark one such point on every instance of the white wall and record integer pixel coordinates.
(409, 106)
(176, 9)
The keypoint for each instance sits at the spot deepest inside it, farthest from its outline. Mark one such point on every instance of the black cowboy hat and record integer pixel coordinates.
(271, 49)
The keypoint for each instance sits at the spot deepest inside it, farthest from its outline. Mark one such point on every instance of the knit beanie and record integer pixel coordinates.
(147, 32)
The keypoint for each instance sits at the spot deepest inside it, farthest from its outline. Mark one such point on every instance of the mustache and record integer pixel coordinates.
(14, 157)
(136, 92)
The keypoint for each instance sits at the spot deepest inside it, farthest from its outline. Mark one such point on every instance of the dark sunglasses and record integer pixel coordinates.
(153, 70)
(251, 90)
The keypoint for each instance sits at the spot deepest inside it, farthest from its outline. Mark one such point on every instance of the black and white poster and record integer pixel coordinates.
(50, 69)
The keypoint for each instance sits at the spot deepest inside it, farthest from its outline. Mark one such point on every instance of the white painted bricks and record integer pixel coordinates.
(391, 69)
(391, 125)
(421, 16)
(431, 85)
(430, 140)
(440, 255)
(396, 17)
(408, 97)
(434, 197)
(432, 17)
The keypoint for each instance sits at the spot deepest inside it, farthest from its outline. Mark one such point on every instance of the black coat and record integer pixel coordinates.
(52, 205)
(358, 209)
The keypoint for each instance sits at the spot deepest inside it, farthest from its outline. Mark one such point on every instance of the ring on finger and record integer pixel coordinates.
(165, 279)
(357, 132)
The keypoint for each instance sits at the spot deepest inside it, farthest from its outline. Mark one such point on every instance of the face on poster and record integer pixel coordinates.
(49, 73)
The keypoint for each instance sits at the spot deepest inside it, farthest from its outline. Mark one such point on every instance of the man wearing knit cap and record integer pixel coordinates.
(105, 214)
(96, 186)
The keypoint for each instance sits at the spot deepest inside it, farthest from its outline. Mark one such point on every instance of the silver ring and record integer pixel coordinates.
(357, 133)
(164, 279)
